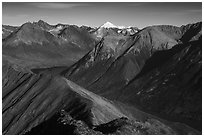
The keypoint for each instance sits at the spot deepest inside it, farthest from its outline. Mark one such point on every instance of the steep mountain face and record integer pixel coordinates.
(34, 45)
(123, 53)
(44, 25)
(191, 32)
(151, 72)
(63, 80)
(172, 90)
(79, 37)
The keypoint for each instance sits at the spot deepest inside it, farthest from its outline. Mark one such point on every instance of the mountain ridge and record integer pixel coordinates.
(114, 72)
(148, 81)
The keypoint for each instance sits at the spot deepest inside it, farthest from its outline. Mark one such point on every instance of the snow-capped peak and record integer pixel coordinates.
(108, 25)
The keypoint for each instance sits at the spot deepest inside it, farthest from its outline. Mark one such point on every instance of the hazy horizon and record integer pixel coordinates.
(95, 14)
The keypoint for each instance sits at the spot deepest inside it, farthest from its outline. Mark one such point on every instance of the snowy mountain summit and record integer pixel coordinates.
(110, 25)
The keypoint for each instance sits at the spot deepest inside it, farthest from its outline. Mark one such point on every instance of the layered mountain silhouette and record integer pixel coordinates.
(65, 79)
(34, 44)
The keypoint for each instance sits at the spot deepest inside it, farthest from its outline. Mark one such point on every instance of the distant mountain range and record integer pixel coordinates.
(69, 42)
(66, 79)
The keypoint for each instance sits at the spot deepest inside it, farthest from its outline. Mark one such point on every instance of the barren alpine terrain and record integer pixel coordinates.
(66, 79)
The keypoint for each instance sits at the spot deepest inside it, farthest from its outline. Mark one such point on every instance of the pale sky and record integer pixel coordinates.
(95, 14)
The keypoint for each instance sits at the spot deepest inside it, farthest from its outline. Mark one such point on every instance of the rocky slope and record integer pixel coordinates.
(151, 71)
(29, 99)
(34, 99)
